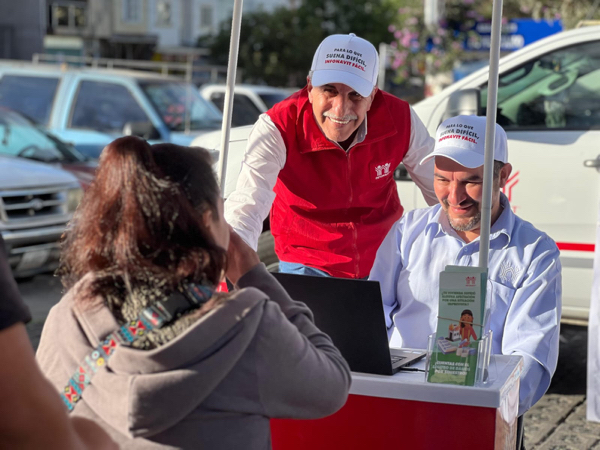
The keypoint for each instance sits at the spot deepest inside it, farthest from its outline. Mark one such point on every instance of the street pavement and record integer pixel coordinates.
(556, 422)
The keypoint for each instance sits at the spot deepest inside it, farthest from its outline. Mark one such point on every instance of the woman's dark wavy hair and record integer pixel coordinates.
(142, 217)
(468, 312)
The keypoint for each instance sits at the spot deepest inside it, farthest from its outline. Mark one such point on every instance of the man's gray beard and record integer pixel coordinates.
(470, 225)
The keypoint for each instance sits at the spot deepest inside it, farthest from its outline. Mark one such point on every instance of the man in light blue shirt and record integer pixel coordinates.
(524, 278)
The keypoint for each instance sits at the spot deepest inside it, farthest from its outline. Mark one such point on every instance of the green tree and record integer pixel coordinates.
(570, 12)
(273, 47)
(368, 19)
(419, 50)
(277, 48)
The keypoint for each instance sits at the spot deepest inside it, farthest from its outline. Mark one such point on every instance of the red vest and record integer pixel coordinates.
(333, 208)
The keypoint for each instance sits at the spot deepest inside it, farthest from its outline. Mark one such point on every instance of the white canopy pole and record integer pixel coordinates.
(490, 134)
(234, 46)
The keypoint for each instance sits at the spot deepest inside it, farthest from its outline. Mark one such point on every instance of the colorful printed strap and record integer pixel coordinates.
(152, 317)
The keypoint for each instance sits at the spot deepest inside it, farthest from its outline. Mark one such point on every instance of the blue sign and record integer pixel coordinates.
(516, 34)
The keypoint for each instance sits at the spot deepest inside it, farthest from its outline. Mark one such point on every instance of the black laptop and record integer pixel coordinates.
(351, 313)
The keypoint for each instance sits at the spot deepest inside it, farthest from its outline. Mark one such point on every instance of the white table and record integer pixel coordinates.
(404, 411)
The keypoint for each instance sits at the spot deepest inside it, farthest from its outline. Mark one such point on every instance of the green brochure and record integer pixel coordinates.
(460, 325)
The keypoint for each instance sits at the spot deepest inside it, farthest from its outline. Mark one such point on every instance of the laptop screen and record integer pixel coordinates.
(351, 313)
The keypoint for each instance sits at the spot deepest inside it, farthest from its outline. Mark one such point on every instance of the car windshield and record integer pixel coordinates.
(181, 106)
(20, 137)
(558, 90)
(271, 99)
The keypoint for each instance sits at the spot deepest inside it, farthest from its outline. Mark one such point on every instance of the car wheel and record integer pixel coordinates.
(266, 251)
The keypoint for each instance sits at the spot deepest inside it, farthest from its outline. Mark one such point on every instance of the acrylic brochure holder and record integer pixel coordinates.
(485, 371)
(483, 374)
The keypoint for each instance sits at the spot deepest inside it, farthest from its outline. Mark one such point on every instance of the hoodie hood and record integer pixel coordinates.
(143, 392)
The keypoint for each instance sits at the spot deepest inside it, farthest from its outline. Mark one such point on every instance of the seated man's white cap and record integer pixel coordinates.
(346, 59)
(462, 139)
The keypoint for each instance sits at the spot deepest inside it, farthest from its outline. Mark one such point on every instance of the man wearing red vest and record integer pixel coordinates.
(322, 161)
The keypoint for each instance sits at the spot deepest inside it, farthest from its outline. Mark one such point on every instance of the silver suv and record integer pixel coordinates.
(36, 202)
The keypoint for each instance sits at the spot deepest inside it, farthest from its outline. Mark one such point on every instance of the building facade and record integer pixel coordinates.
(22, 28)
(136, 29)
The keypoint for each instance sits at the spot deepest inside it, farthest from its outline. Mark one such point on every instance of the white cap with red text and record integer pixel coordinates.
(462, 139)
(346, 59)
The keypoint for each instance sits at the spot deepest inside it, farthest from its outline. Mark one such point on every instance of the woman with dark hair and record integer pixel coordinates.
(466, 326)
(150, 233)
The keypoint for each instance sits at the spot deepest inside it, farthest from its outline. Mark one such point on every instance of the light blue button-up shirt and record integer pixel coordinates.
(524, 285)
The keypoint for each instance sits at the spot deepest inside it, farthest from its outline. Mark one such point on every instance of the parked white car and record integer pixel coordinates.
(549, 104)
(249, 100)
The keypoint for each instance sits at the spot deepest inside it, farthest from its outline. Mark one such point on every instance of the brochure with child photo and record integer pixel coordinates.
(460, 325)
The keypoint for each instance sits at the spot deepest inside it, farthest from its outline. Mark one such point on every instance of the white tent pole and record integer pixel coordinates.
(383, 49)
(490, 131)
(234, 46)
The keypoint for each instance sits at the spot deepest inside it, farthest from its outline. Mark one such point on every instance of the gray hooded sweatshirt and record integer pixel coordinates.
(256, 356)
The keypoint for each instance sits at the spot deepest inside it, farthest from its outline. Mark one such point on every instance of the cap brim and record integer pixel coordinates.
(360, 85)
(464, 157)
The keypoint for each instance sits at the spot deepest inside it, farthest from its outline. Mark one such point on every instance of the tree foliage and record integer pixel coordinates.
(570, 12)
(277, 48)
(419, 49)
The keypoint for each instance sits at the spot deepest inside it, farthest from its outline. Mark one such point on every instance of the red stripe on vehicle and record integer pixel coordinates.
(575, 247)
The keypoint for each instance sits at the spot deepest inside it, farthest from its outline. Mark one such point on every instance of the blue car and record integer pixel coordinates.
(91, 107)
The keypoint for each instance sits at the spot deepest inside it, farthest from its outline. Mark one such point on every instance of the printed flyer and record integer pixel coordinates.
(460, 325)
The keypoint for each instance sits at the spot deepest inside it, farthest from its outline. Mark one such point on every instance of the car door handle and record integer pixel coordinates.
(592, 162)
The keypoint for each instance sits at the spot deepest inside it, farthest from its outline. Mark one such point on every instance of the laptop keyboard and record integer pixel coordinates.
(395, 358)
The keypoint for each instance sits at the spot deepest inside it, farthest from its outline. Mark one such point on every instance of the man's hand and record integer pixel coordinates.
(240, 257)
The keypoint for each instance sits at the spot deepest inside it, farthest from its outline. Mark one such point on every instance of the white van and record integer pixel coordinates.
(549, 104)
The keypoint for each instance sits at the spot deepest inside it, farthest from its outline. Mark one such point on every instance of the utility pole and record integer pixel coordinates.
(383, 56)
(433, 12)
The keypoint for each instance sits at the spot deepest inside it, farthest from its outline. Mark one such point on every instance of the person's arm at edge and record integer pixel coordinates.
(247, 207)
(244, 269)
(386, 269)
(32, 415)
(536, 306)
(421, 144)
(296, 344)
